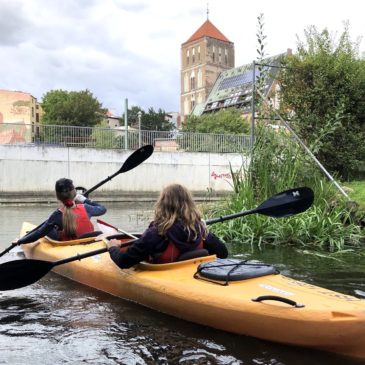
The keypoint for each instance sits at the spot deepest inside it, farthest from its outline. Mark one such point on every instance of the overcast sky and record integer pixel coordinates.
(131, 49)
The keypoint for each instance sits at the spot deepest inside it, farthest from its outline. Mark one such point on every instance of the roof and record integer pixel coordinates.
(208, 29)
(233, 87)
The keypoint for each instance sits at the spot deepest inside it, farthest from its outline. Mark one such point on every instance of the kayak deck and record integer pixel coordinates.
(261, 307)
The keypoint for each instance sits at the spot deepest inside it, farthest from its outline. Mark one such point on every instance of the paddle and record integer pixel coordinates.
(135, 159)
(19, 273)
(283, 204)
(105, 227)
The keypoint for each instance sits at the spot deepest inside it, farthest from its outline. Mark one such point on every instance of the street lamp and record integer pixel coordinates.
(139, 128)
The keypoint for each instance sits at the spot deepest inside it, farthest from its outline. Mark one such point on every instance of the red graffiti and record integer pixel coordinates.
(216, 176)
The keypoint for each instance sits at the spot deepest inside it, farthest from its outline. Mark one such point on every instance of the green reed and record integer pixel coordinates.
(278, 164)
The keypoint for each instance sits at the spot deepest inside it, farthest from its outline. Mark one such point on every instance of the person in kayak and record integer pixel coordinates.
(70, 221)
(177, 232)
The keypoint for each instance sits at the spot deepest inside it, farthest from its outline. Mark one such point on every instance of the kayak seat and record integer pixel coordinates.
(193, 254)
(226, 270)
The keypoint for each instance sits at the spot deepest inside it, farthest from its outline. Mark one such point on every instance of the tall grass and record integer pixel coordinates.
(278, 164)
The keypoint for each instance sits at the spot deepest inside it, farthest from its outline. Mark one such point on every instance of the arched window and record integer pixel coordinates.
(192, 81)
(200, 78)
(186, 82)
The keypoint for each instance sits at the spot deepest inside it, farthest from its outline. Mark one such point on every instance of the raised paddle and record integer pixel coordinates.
(135, 159)
(19, 273)
(283, 204)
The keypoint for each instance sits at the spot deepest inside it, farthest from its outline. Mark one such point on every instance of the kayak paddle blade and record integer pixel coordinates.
(19, 273)
(287, 203)
(136, 158)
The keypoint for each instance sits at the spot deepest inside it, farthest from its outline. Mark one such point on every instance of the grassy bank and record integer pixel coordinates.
(356, 191)
(279, 164)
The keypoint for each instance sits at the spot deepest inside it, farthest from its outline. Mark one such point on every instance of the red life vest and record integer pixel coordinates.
(83, 223)
(171, 253)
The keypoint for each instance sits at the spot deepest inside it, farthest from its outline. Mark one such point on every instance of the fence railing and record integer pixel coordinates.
(109, 138)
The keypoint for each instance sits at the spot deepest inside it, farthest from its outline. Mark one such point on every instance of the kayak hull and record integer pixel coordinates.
(328, 320)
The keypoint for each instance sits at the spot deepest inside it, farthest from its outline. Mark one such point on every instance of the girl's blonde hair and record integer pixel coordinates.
(176, 204)
(68, 217)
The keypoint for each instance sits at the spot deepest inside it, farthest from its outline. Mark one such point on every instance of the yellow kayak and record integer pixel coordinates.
(246, 298)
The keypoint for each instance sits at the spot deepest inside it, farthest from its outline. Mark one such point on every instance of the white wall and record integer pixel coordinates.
(34, 169)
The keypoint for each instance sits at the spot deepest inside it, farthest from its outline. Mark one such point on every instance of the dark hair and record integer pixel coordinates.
(65, 192)
(64, 185)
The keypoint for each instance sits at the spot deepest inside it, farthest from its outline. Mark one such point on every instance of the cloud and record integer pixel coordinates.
(131, 49)
(14, 24)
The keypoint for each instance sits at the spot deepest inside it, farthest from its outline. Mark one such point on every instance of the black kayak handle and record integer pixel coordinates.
(279, 299)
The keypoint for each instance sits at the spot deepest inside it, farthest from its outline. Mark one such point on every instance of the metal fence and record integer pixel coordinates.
(110, 138)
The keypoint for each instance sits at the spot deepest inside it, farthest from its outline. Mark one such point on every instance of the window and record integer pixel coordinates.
(187, 57)
(219, 55)
(200, 78)
(199, 53)
(213, 54)
(192, 102)
(193, 55)
(192, 81)
(226, 56)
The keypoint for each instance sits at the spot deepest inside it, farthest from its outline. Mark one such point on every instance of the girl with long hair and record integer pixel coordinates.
(71, 220)
(177, 232)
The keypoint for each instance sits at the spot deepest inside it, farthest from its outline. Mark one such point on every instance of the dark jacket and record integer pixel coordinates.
(151, 243)
(53, 225)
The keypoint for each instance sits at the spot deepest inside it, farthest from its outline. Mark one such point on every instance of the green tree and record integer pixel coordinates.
(323, 90)
(226, 121)
(73, 108)
(155, 121)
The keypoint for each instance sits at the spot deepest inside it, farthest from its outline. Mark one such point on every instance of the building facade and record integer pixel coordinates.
(203, 57)
(19, 115)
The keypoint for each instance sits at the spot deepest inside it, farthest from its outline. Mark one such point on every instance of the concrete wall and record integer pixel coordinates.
(29, 172)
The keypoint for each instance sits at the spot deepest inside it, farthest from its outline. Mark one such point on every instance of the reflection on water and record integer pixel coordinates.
(57, 321)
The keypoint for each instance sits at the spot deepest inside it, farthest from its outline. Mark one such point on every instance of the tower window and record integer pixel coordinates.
(226, 56)
(187, 57)
(219, 55)
(213, 54)
(199, 53)
(193, 55)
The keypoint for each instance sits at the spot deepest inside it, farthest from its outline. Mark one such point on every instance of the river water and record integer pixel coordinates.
(57, 321)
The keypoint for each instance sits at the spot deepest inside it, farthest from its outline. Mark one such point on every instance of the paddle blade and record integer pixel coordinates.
(19, 273)
(136, 158)
(287, 203)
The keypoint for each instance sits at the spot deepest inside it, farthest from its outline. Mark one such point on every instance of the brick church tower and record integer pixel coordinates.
(203, 57)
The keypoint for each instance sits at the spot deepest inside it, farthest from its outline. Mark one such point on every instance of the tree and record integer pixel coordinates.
(74, 108)
(226, 121)
(323, 88)
(150, 121)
